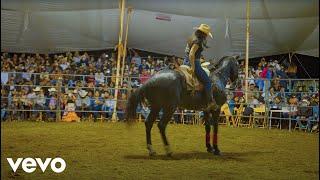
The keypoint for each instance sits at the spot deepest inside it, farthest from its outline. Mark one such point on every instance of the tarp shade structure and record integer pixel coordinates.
(48, 26)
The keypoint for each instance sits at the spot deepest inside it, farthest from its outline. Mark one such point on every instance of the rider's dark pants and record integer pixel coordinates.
(203, 78)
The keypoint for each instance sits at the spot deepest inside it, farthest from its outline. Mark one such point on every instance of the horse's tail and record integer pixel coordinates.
(134, 100)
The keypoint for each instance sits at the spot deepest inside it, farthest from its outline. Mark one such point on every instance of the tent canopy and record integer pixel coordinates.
(49, 26)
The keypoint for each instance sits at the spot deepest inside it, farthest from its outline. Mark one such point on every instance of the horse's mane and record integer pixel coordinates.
(215, 64)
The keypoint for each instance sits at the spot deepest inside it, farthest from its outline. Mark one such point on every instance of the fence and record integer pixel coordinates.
(262, 115)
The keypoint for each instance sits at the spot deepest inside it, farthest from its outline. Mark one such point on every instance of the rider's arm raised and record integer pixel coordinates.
(192, 53)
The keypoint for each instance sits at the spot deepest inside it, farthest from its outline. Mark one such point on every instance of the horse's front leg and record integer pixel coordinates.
(216, 150)
(207, 127)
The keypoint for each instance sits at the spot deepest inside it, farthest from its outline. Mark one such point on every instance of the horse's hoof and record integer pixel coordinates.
(153, 153)
(168, 150)
(209, 150)
(169, 154)
(216, 152)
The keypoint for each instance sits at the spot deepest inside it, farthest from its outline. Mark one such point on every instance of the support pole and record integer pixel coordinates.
(120, 51)
(247, 50)
(125, 44)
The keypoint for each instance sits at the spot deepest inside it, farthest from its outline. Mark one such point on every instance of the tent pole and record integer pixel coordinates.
(304, 69)
(247, 51)
(125, 44)
(120, 51)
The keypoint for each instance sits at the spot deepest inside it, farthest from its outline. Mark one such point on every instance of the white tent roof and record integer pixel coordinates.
(277, 26)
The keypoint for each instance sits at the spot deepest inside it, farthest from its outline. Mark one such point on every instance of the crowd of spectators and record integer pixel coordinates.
(276, 85)
(43, 82)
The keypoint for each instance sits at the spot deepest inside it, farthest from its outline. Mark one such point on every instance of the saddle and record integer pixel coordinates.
(193, 83)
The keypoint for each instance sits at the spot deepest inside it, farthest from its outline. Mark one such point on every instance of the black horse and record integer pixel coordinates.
(167, 90)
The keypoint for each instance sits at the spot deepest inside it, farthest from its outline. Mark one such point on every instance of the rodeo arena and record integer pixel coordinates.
(132, 89)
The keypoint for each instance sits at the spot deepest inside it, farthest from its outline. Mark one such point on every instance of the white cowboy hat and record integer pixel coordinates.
(37, 89)
(83, 93)
(205, 28)
(75, 91)
(52, 89)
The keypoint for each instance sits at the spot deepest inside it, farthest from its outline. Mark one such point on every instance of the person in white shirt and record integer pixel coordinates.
(99, 77)
(110, 104)
(4, 77)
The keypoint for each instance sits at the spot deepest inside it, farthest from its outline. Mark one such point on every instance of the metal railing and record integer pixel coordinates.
(292, 85)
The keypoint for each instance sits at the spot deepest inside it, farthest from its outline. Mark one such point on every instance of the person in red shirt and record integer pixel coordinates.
(144, 76)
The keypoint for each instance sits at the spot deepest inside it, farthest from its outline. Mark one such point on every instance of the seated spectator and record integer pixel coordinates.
(239, 92)
(64, 64)
(69, 114)
(39, 102)
(96, 102)
(277, 105)
(143, 66)
(231, 103)
(76, 58)
(292, 107)
(83, 103)
(304, 114)
(252, 93)
(99, 77)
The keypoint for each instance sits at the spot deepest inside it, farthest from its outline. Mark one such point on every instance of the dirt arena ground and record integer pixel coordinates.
(114, 151)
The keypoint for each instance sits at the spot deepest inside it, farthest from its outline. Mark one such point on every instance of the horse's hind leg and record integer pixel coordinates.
(167, 114)
(149, 123)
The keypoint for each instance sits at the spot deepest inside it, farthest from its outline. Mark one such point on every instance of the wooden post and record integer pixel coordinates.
(59, 98)
(247, 51)
(125, 44)
(120, 51)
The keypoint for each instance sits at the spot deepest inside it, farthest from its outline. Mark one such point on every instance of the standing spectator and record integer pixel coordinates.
(121, 106)
(110, 104)
(4, 77)
(4, 104)
(52, 105)
(292, 73)
(269, 95)
(105, 107)
(144, 76)
(136, 59)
